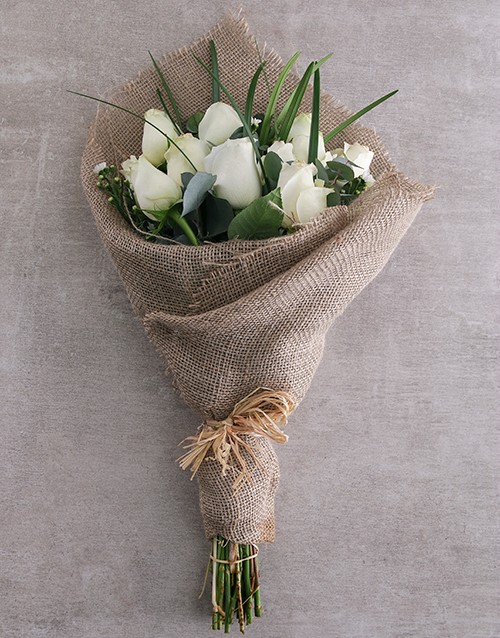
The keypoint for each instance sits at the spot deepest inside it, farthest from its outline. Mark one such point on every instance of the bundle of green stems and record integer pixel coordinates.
(235, 584)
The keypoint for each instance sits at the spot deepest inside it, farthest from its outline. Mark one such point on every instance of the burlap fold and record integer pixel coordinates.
(235, 316)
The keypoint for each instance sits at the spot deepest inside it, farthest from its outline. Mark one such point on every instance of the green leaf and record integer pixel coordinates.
(314, 134)
(322, 174)
(341, 170)
(165, 108)
(215, 71)
(186, 178)
(263, 63)
(196, 191)
(193, 122)
(283, 112)
(333, 199)
(273, 164)
(251, 95)
(298, 94)
(169, 93)
(271, 107)
(238, 133)
(260, 220)
(216, 215)
(246, 126)
(160, 215)
(139, 117)
(357, 115)
(182, 239)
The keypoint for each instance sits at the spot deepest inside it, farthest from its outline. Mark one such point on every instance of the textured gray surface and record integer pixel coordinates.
(387, 523)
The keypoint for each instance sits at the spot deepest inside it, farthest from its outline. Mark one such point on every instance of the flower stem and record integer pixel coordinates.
(235, 584)
(241, 615)
(256, 588)
(247, 582)
(176, 218)
(214, 582)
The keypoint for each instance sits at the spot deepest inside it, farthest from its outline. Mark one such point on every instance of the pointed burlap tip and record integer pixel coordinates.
(262, 413)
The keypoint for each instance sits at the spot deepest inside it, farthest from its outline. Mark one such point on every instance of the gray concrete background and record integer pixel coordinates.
(387, 511)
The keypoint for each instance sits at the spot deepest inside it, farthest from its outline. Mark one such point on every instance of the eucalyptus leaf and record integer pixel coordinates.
(322, 174)
(186, 178)
(342, 170)
(261, 220)
(196, 191)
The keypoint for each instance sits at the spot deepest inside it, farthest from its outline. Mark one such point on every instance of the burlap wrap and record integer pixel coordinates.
(235, 316)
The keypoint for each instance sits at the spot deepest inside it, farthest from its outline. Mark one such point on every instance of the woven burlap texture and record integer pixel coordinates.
(235, 316)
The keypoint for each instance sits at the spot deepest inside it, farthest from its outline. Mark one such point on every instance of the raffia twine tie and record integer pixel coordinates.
(262, 413)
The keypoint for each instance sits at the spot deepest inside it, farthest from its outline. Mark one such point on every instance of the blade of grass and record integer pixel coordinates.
(262, 62)
(215, 70)
(251, 95)
(169, 93)
(284, 110)
(245, 124)
(357, 115)
(271, 107)
(165, 108)
(298, 96)
(314, 135)
(121, 108)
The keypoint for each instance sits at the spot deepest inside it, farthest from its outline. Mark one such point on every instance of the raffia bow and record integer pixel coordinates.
(262, 413)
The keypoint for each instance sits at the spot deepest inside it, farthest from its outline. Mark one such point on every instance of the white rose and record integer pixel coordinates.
(301, 199)
(293, 179)
(130, 168)
(194, 148)
(218, 124)
(154, 144)
(311, 202)
(359, 155)
(238, 180)
(152, 188)
(299, 136)
(284, 151)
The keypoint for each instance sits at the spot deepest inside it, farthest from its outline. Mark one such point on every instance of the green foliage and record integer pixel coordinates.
(235, 584)
(215, 71)
(296, 98)
(314, 135)
(193, 122)
(196, 191)
(177, 124)
(273, 99)
(261, 220)
(202, 216)
(339, 170)
(357, 115)
(215, 216)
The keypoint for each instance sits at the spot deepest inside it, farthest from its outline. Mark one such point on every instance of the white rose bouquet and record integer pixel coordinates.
(233, 174)
(222, 219)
